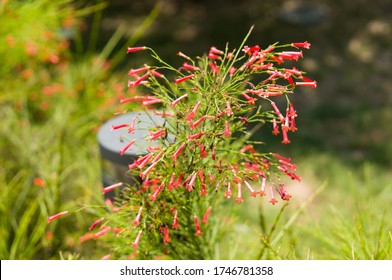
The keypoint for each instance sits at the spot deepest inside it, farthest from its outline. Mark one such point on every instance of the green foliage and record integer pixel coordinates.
(51, 103)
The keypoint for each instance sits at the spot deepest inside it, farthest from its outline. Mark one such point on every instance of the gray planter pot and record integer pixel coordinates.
(115, 166)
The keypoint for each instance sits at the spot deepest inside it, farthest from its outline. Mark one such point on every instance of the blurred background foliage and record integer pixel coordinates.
(64, 69)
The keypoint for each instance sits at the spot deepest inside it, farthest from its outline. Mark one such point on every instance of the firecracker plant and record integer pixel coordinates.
(211, 105)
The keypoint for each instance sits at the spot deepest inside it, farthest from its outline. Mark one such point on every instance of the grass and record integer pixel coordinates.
(339, 212)
(50, 163)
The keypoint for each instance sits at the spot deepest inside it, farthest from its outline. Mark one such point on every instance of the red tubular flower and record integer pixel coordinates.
(228, 193)
(141, 79)
(195, 136)
(258, 92)
(232, 71)
(293, 113)
(227, 132)
(290, 55)
(136, 222)
(199, 121)
(273, 75)
(111, 187)
(102, 232)
(183, 55)
(163, 114)
(39, 182)
(177, 153)
(288, 164)
(294, 71)
(177, 183)
(151, 101)
(283, 192)
(213, 56)
(175, 102)
(135, 49)
(153, 182)
(133, 98)
(157, 192)
(166, 237)
(136, 71)
(157, 134)
(10, 41)
(239, 193)
(262, 66)
(170, 186)
(214, 68)
(271, 93)
(251, 100)
(197, 225)
(131, 128)
(213, 156)
(182, 79)
(281, 157)
(141, 162)
(248, 147)
(189, 186)
(285, 125)
(145, 172)
(245, 120)
(278, 59)
(203, 191)
(215, 50)
(133, 255)
(110, 205)
(175, 224)
(229, 112)
(157, 74)
(94, 224)
(221, 114)
(285, 137)
(304, 45)
(211, 178)
(262, 187)
(290, 79)
(192, 114)
(126, 147)
(251, 190)
(157, 157)
(151, 148)
(250, 50)
(275, 127)
(86, 237)
(106, 257)
(206, 215)
(135, 244)
(278, 113)
(133, 83)
(278, 88)
(312, 84)
(272, 200)
(118, 126)
(56, 216)
(292, 175)
(251, 60)
(188, 66)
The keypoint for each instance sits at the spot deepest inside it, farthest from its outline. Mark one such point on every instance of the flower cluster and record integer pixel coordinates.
(211, 106)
